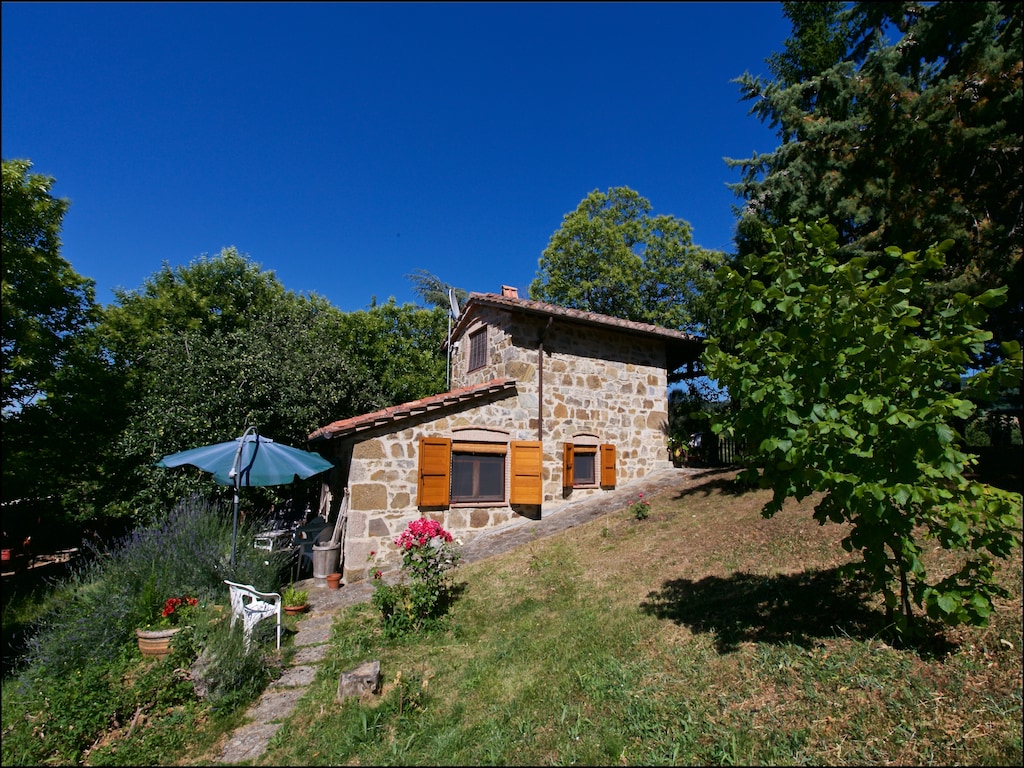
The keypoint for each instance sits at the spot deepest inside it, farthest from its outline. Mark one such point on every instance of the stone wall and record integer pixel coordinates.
(597, 381)
(598, 387)
(382, 481)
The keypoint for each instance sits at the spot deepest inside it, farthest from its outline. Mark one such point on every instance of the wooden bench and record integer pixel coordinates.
(252, 607)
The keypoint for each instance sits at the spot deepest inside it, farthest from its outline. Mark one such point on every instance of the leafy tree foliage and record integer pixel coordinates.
(434, 291)
(396, 351)
(820, 32)
(612, 256)
(207, 349)
(843, 385)
(45, 302)
(901, 123)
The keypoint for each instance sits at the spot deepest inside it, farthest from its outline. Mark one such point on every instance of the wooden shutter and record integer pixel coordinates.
(607, 465)
(527, 474)
(435, 471)
(568, 465)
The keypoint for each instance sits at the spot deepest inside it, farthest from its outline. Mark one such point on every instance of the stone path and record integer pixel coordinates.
(314, 629)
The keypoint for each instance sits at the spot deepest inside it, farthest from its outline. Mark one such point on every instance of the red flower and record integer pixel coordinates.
(419, 533)
(173, 603)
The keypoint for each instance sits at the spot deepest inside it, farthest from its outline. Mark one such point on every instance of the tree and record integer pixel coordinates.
(45, 302)
(900, 123)
(398, 351)
(434, 291)
(820, 33)
(842, 385)
(203, 350)
(613, 257)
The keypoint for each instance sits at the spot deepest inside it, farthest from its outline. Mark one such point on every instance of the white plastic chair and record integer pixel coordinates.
(252, 607)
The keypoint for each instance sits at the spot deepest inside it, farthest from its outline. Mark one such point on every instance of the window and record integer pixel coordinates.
(477, 476)
(580, 464)
(478, 349)
(467, 472)
(585, 466)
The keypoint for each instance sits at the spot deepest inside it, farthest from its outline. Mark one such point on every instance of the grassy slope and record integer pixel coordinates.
(702, 635)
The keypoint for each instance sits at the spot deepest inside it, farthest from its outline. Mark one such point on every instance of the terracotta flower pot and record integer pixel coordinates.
(294, 610)
(333, 580)
(155, 642)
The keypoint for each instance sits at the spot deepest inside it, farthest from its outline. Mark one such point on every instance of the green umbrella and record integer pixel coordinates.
(249, 460)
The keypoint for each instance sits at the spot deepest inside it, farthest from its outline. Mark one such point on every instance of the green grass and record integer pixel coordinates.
(701, 635)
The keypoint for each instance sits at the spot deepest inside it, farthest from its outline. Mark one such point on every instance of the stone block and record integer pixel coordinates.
(368, 449)
(369, 496)
(363, 680)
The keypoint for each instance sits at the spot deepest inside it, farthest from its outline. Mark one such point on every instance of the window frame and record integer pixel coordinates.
(490, 455)
(604, 464)
(477, 349)
(584, 455)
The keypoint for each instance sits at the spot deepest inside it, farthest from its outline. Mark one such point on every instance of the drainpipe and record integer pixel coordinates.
(540, 380)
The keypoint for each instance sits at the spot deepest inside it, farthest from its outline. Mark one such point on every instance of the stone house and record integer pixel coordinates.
(547, 405)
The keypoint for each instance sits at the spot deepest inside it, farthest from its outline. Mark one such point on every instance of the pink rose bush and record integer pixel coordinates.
(640, 507)
(419, 533)
(421, 599)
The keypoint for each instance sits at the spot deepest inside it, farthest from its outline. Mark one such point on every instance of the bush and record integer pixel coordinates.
(126, 587)
(82, 676)
(639, 507)
(421, 599)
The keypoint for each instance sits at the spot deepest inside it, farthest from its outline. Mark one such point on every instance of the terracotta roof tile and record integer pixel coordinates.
(396, 413)
(575, 315)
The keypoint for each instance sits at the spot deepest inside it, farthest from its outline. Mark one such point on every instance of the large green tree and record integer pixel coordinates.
(206, 349)
(613, 256)
(54, 384)
(200, 352)
(902, 123)
(45, 302)
(397, 350)
(844, 385)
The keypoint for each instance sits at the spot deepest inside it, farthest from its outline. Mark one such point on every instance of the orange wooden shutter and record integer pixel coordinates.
(435, 471)
(607, 465)
(527, 475)
(568, 464)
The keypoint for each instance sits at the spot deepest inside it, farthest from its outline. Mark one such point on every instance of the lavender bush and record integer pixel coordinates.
(123, 587)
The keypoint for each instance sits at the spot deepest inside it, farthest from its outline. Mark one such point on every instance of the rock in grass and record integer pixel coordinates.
(363, 679)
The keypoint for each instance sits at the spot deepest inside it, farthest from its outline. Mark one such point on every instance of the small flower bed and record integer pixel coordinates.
(639, 507)
(421, 599)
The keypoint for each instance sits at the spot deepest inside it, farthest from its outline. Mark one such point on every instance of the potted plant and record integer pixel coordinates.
(294, 600)
(155, 638)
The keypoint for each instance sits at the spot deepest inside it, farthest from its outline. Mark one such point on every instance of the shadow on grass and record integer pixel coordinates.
(722, 481)
(797, 608)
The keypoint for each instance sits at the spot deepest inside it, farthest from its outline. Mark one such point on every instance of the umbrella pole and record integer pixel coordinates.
(236, 470)
(234, 525)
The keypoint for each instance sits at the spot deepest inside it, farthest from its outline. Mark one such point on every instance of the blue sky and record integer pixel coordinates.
(346, 145)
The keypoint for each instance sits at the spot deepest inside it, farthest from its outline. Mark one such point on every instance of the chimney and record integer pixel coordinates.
(509, 292)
